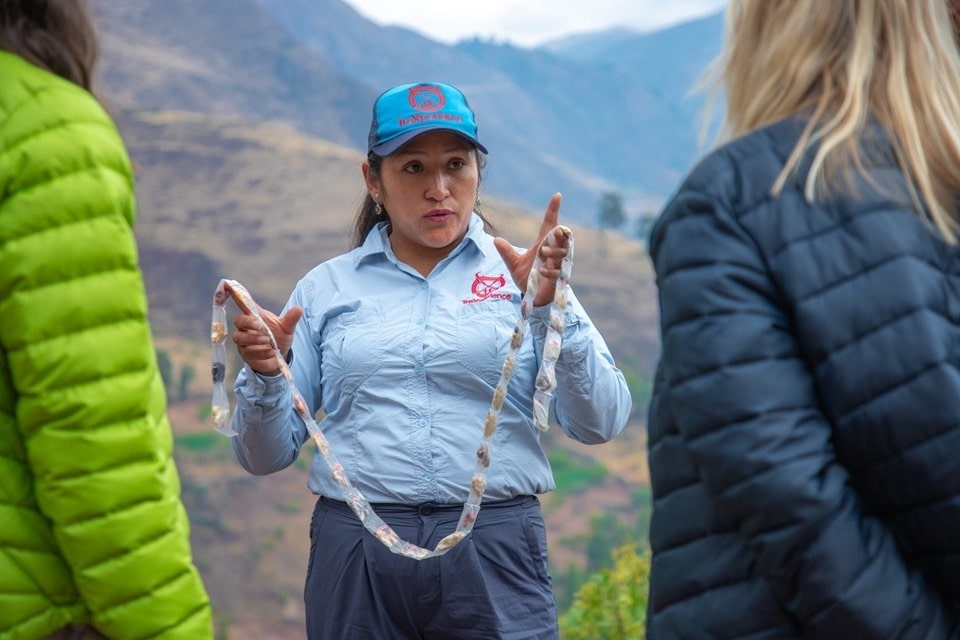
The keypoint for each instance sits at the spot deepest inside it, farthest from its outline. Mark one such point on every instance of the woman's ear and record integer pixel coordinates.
(371, 181)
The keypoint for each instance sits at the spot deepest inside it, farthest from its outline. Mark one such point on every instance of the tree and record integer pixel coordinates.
(606, 533)
(187, 373)
(611, 212)
(567, 584)
(165, 364)
(613, 603)
(610, 215)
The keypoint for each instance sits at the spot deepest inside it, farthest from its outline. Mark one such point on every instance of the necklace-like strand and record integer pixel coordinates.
(545, 384)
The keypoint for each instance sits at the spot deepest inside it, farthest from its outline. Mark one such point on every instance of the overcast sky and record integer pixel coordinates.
(526, 23)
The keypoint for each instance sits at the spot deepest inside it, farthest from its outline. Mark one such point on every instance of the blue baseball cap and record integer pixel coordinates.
(402, 113)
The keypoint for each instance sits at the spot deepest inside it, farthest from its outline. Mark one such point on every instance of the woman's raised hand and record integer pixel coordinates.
(552, 254)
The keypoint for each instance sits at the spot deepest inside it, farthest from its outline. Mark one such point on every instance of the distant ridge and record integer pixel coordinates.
(584, 115)
(262, 203)
(591, 45)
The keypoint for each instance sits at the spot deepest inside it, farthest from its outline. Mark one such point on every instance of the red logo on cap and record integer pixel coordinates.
(426, 98)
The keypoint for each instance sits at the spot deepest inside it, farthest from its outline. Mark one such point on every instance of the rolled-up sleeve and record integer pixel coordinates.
(269, 430)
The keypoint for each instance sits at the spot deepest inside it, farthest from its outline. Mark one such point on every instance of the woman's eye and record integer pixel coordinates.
(413, 167)
(457, 164)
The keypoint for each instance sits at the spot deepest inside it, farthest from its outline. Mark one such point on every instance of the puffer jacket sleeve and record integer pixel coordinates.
(746, 407)
(90, 402)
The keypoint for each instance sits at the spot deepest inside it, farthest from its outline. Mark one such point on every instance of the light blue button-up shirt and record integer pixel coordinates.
(404, 368)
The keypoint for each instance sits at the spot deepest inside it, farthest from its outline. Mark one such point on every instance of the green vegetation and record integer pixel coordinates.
(641, 388)
(573, 474)
(200, 442)
(203, 445)
(642, 499)
(612, 604)
(187, 373)
(608, 532)
(303, 461)
(611, 214)
(165, 364)
(182, 383)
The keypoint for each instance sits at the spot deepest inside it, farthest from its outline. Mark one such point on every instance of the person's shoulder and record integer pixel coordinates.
(50, 126)
(733, 179)
(738, 174)
(339, 262)
(336, 268)
(745, 168)
(32, 98)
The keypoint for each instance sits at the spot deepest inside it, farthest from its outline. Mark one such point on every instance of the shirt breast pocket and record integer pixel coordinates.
(484, 331)
(352, 348)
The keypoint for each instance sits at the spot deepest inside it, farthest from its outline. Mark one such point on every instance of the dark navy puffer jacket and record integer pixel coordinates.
(804, 431)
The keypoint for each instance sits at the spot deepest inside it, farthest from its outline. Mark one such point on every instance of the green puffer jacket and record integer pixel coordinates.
(92, 529)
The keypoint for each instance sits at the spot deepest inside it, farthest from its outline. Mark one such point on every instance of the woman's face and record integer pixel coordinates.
(429, 188)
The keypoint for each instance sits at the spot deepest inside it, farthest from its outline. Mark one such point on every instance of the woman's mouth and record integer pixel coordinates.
(439, 214)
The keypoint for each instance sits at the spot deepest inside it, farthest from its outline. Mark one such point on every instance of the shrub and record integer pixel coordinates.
(612, 604)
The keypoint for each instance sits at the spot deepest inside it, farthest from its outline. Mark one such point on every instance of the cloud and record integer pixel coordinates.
(526, 22)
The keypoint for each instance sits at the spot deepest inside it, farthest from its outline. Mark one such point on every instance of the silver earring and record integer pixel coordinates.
(478, 200)
(377, 210)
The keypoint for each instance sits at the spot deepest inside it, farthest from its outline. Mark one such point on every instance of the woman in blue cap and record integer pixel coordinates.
(404, 342)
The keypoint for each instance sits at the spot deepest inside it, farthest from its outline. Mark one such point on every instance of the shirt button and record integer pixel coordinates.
(422, 422)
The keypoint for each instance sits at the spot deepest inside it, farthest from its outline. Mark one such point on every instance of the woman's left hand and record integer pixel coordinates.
(520, 264)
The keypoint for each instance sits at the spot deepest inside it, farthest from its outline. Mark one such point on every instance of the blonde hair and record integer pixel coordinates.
(845, 64)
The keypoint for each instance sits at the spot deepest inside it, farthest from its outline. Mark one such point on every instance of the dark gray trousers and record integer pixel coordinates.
(492, 586)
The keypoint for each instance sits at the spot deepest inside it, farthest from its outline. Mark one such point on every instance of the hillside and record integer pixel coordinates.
(224, 58)
(263, 203)
(553, 119)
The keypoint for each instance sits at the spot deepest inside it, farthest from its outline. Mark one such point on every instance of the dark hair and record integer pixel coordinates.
(56, 35)
(367, 217)
(955, 14)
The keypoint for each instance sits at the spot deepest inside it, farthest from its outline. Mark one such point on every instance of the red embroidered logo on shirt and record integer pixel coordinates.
(486, 287)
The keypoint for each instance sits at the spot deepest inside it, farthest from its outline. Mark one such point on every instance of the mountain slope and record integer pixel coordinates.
(263, 203)
(224, 57)
(566, 120)
(592, 113)
(670, 63)
(528, 159)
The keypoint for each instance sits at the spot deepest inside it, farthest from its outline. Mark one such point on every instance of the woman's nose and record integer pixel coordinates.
(437, 188)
